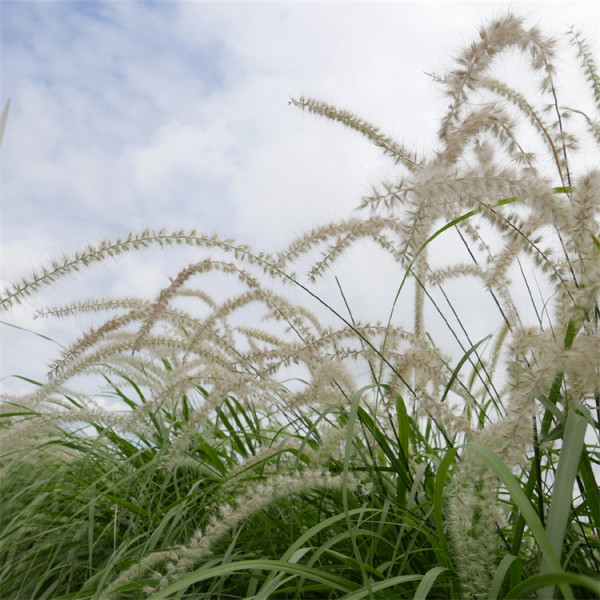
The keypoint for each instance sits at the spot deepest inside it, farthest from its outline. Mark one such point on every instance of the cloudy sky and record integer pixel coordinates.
(133, 114)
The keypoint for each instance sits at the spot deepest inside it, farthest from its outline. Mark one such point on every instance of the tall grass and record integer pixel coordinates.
(248, 462)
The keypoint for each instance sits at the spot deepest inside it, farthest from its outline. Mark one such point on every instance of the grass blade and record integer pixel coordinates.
(524, 505)
(551, 579)
(562, 498)
(500, 574)
(334, 581)
(440, 482)
(427, 582)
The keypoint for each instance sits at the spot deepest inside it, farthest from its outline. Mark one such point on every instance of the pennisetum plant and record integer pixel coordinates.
(245, 463)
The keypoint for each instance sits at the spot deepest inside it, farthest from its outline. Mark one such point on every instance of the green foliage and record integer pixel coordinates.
(223, 476)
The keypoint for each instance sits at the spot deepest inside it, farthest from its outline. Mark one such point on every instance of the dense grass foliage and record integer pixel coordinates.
(327, 457)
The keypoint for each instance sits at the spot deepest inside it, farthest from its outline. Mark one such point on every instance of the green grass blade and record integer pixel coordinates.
(500, 574)
(397, 461)
(292, 551)
(312, 574)
(438, 496)
(562, 498)
(403, 423)
(524, 505)
(381, 585)
(551, 579)
(354, 405)
(427, 582)
(592, 491)
(327, 523)
(461, 362)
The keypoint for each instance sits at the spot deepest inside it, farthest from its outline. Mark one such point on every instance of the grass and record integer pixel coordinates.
(257, 463)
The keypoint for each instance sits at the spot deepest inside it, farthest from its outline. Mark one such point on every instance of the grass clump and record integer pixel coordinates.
(250, 463)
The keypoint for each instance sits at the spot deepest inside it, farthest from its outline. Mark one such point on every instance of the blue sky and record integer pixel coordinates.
(133, 114)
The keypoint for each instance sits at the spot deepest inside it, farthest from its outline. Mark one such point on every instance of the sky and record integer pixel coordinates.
(128, 114)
